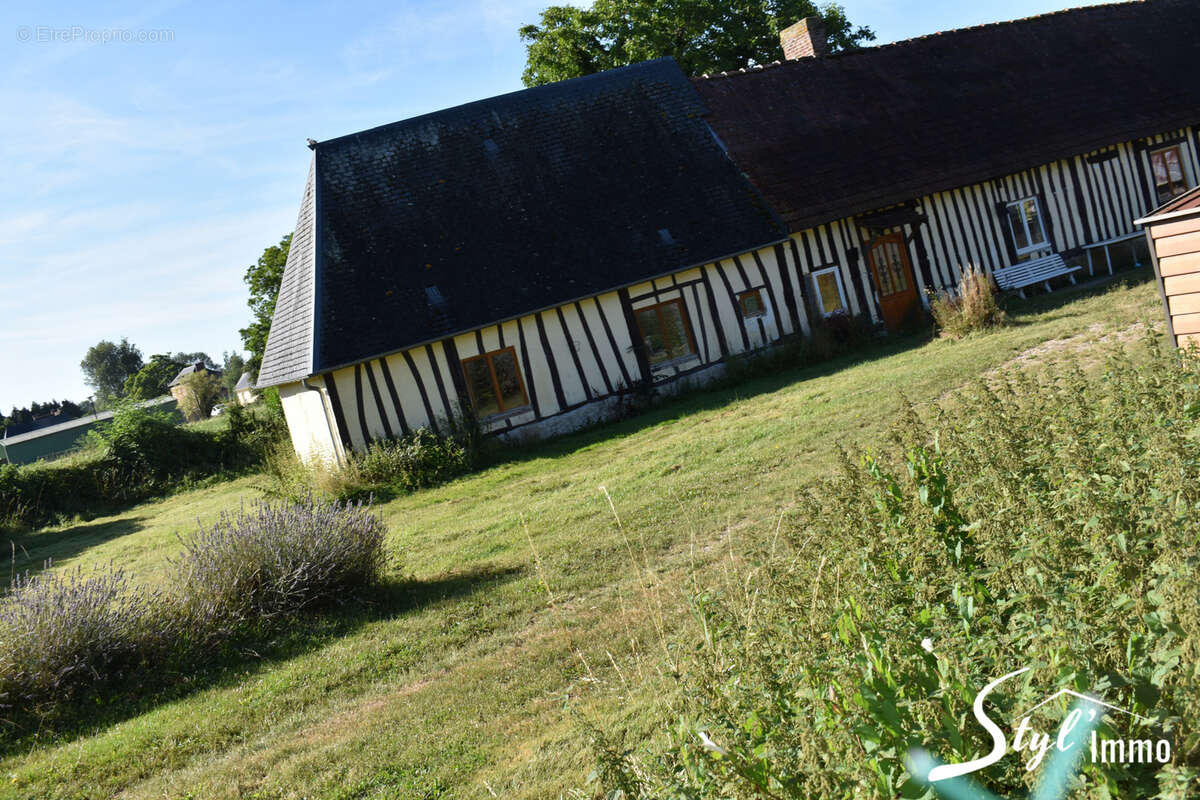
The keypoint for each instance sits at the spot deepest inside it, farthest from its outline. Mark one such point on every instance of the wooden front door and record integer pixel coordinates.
(893, 278)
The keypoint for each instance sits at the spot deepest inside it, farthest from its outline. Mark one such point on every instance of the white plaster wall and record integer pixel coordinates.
(310, 428)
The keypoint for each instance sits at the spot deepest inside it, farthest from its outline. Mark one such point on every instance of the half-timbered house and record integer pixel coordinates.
(537, 255)
(898, 167)
(533, 256)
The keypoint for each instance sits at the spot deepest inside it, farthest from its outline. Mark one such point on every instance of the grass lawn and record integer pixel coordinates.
(462, 682)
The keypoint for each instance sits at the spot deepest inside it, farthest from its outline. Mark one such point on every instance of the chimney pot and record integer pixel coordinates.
(805, 39)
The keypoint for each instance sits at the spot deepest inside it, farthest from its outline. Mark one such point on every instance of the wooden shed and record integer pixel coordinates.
(1173, 235)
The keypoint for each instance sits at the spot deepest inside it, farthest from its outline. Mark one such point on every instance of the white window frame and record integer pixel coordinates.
(837, 274)
(1032, 247)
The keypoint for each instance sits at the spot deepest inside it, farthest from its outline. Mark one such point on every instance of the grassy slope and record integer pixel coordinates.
(457, 685)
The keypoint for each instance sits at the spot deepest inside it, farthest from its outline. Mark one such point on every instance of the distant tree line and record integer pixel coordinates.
(58, 409)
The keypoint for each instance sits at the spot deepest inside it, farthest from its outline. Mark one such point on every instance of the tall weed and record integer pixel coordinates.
(971, 307)
(1045, 521)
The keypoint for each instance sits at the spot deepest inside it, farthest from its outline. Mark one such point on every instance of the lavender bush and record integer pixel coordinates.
(277, 558)
(59, 631)
(65, 635)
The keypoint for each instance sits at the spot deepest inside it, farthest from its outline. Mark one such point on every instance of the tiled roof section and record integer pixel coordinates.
(289, 352)
(828, 137)
(243, 382)
(1188, 201)
(453, 220)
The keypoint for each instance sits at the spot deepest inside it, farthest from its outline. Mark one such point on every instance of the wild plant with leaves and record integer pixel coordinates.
(1046, 521)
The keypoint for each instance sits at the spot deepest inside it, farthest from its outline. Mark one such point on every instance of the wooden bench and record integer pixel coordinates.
(1038, 270)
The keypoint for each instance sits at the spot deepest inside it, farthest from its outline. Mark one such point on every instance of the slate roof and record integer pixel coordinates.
(288, 355)
(188, 370)
(824, 138)
(453, 220)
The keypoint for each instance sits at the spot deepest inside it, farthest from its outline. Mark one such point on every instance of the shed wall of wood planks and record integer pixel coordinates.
(1173, 234)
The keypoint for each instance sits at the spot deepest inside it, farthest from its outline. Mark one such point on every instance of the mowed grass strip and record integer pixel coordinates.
(463, 681)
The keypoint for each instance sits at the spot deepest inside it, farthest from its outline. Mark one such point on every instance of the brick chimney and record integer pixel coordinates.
(805, 39)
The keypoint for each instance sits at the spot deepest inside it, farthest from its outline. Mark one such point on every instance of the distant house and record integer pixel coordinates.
(536, 255)
(243, 391)
(178, 388)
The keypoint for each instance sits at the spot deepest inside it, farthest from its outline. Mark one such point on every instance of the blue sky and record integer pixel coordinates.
(142, 177)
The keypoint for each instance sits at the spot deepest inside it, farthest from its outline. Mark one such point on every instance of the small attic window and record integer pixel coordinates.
(490, 146)
(665, 235)
(433, 296)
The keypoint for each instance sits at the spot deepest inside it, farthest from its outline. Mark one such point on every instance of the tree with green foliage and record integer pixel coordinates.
(107, 366)
(63, 410)
(183, 359)
(704, 36)
(152, 379)
(201, 391)
(231, 372)
(263, 278)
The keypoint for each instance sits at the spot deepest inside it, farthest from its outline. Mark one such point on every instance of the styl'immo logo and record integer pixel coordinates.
(1033, 745)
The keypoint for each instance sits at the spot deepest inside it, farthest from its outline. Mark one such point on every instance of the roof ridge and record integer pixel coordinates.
(527, 91)
(912, 40)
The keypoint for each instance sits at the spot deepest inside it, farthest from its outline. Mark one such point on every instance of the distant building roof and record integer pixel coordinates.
(449, 221)
(87, 419)
(34, 424)
(243, 382)
(199, 366)
(824, 138)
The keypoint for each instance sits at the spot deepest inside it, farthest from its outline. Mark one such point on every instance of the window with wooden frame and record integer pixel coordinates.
(752, 304)
(830, 297)
(666, 332)
(1169, 177)
(1025, 225)
(494, 382)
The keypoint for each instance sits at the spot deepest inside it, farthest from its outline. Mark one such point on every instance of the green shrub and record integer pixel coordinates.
(1044, 522)
(139, 454)
(143, 446)
(418, 460)
(971, 307)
